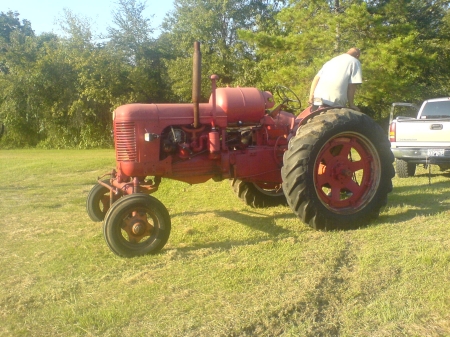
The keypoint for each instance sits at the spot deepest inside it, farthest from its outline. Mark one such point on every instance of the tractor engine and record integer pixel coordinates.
(234, 135)
(237, 137)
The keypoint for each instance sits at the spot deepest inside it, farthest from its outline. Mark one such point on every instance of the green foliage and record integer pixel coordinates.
(215, 24)
(9, 24)
(133, 33)
(59, 91)
(402, 61)
(142, 55)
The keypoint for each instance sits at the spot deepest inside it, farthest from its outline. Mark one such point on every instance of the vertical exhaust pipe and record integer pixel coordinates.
(196, 82)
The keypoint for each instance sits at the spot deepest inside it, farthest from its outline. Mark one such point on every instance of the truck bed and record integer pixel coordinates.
(430, 132)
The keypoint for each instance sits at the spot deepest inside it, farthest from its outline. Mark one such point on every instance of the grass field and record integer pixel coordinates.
(227, 270)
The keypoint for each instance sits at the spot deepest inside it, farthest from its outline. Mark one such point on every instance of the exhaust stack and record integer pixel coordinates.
(196, 82)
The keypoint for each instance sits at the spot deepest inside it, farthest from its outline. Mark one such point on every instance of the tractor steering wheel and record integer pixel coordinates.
(288, 97)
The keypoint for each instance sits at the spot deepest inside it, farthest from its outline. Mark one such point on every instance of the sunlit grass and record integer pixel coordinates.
(227, 270)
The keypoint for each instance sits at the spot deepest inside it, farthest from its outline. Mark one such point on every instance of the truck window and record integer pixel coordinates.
(436, 110)
(405, 111)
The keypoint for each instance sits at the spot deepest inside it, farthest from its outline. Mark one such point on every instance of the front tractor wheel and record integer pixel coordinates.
(338, 170)
(137, 224)
(258, 195)
(97, 202)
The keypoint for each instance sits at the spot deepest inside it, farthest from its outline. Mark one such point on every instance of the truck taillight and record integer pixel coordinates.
(392, 132)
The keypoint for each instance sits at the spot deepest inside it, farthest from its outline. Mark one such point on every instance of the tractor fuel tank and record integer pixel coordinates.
(159, 116)
(246, 105)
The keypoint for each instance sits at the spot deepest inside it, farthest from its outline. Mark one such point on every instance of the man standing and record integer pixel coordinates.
(335, 84)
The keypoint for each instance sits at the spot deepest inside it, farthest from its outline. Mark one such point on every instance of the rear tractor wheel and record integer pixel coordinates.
(258, 195)
(338, 170)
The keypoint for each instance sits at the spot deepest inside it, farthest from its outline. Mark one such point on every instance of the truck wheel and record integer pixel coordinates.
(97, 203)
(337, 170)
(258, 196)
(135, 225)
(404, 169)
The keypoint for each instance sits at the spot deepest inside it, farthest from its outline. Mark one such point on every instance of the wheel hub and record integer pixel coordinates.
(341, 172)
(137, 226)
(347, 172)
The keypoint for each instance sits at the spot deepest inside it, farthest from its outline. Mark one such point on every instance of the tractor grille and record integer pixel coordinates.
(125, 142)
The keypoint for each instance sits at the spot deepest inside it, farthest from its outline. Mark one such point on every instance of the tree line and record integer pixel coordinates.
(59, 91)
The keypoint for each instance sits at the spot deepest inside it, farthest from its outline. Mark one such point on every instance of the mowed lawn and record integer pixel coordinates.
(227, 269)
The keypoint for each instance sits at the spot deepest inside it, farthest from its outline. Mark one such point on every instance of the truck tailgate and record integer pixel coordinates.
(423, 130)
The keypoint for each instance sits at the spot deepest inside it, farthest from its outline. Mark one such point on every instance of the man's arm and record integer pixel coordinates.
(313, 88)
(351, 95)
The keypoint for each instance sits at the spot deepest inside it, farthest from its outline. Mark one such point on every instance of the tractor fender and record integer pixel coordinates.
(306, 115)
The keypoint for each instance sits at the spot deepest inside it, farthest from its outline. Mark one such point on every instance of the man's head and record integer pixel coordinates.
(355, 52)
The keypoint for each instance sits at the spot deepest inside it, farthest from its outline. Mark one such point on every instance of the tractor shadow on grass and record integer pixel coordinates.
(252, 219)
(420, 200)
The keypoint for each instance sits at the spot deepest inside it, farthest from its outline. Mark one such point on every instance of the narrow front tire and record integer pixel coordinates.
(135, 225)
(97, 202)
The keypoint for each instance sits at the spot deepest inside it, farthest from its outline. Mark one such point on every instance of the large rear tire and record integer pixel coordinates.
(258, 196)
(338, 170)
(405, 169)
(136, 224)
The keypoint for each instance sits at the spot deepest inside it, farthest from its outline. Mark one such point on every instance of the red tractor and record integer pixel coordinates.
(333, 166)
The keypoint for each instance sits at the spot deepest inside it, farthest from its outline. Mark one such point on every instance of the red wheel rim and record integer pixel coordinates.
(347, 173)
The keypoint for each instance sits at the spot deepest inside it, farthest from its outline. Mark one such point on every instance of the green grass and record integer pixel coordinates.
(227, 270)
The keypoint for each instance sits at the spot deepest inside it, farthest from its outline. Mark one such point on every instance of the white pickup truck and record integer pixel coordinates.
(424, 139)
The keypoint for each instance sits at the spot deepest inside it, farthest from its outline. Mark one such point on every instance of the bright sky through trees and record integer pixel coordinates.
(44, 14)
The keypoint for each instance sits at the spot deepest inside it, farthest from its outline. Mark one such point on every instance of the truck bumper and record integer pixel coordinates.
(422, 155)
